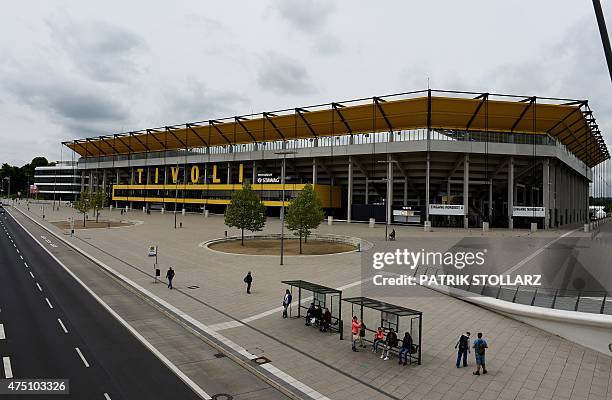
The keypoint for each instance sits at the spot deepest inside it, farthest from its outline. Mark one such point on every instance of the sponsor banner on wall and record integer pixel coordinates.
(446, 209)
(537, 212)
(268, 178)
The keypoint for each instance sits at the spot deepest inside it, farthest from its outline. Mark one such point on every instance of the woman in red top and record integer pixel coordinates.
(355, 327)
(379, 337)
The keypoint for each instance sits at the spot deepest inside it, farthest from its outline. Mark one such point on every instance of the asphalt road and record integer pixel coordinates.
(52, 328)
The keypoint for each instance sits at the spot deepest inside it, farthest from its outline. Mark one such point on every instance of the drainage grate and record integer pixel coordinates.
(219, 355)
(261, 360)
(193, 287)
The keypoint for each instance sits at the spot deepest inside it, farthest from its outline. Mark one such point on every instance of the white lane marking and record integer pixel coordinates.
(8, 371)
(194, 386)
(106, 396)
(2, 334)
(535, 254)
(39, 288)
(26, 264)
(20, 256)
(31, 274)
(82, 357)
(62, 325)
(49, 303)
(18, 251)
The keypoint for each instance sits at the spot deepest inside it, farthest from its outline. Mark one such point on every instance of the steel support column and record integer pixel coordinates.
(314, 171)
(546, 192)
(510, 191)
(349, 200)
(389, 202)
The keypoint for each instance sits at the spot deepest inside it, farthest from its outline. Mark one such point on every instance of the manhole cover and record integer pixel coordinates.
(261, 360)
(193, 287)
(222, 396)
(219, 355)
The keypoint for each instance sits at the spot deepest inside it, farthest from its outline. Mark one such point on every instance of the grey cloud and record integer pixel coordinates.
(306, 15)
(283, 75)
(327, 44)
(101, 51)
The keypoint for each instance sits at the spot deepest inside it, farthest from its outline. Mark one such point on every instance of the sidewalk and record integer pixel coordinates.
(524, 362)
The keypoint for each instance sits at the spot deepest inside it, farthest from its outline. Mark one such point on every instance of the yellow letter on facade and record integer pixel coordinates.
(214, 177)
(195, 174)
(175, 172)
(156, 175)
(240, 173)
(139, 170)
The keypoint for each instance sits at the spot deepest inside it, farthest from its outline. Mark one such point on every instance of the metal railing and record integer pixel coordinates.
(594, 302)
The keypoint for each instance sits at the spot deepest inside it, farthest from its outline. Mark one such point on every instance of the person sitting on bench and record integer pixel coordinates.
(325, 321)
(318, 313)
(391, 342)
(406, 348)
(379, 338)
(310, 314)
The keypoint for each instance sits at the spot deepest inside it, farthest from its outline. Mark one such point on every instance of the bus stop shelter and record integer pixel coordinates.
(391, 316)
(323, 296)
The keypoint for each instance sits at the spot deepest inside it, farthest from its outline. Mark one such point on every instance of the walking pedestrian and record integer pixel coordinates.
(480, 345)
(463, 348)
(355, 327)
(286, 302)
(248, 279)
(169, 276)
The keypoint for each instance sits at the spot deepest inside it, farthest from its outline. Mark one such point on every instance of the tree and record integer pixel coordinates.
(84, 203)
(98, 202)
(304, 213)
(245, 211)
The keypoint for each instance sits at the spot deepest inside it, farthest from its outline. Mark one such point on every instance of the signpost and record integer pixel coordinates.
(153, 253)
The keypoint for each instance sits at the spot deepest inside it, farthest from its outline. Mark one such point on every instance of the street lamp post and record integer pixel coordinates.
(282, 214)
(388, 206)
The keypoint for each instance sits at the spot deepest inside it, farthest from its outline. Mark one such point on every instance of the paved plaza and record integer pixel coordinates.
(524, 362)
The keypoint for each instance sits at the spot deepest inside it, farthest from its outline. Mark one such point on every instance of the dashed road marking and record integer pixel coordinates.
(62, 325)
(2, 334)
(39, 288)
(8, 371)
(48, 302)
(31, 274)
(26, 264)
(106, 396)
(82, 357)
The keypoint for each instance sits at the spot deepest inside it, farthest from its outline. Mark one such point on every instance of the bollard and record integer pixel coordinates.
(183, 211)
(372, 222)
(330, 220)
(485, 227)
(180, 224)
(205, 213)
(586, 228)
(534, 227)
(427, 226)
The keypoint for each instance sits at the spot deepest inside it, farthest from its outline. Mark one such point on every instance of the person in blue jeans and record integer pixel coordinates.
(404, 351)
(480, 345)
(463, 348)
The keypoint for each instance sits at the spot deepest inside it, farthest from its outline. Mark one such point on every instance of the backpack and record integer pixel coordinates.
(464, 343)
(480, 347)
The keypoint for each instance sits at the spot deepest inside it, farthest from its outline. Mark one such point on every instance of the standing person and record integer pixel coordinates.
(248, 279)
(379, 337)
(463, 348)
(480, 345)
(406, 348)
(355, 327)
(391, 342)
(286, 302)
(170, 276)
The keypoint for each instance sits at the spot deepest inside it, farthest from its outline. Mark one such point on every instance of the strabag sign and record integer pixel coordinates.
(446, 209)
(268, 178)
(538, 212)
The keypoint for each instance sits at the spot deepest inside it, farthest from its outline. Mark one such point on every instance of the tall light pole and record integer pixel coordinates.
(282, 214)
(388, 207)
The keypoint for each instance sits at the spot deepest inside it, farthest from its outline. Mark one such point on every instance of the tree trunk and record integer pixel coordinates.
(97, 215)
(300, 243)
(242, 236)
(83, 220)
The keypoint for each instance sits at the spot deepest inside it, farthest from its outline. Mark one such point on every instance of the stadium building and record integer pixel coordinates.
(441, 157)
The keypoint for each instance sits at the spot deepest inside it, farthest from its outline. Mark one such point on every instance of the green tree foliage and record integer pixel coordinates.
(245, 211)
(98, 202)
(84, 203)
(20, 176)
(304, 213)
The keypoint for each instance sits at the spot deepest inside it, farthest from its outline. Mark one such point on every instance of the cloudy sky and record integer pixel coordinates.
(71, 69)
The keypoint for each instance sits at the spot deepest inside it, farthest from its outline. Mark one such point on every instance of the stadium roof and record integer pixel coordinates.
(570, 121)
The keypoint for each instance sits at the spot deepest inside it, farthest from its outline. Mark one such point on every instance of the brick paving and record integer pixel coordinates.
(524, 362)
